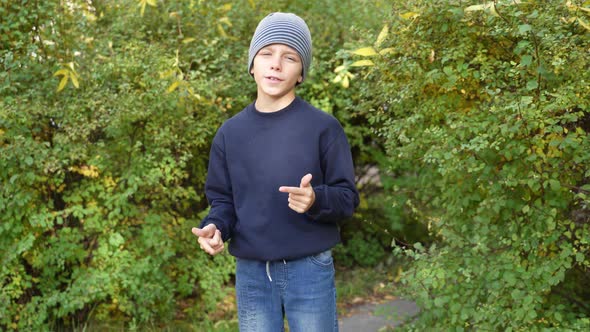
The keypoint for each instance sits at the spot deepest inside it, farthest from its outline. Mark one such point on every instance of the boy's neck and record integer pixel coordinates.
(269, 105)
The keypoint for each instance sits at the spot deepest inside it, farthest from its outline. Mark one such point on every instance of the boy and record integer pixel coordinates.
(280, 180)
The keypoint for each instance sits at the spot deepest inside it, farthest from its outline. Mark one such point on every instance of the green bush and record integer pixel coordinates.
(485, 112)
(107, 110)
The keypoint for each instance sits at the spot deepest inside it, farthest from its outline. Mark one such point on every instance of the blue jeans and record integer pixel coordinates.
(301, 290)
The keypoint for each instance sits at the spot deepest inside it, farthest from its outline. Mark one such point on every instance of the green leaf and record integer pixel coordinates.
(532, 84)
(526, 60)
(524, 28)
(555, 184)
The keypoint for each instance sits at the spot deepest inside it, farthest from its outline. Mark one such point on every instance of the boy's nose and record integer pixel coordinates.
(275, 64)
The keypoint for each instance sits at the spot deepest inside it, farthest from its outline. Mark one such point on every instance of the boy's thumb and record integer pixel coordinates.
(206, 231)
(305, 181)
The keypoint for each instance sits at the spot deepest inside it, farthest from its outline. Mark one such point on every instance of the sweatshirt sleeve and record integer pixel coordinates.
(218, 189)
(337, 197)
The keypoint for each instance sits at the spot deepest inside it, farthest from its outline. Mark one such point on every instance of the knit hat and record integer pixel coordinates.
(282, 28)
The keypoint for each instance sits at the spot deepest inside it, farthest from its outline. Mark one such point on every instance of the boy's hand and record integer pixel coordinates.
(300, 198)
(209, 239)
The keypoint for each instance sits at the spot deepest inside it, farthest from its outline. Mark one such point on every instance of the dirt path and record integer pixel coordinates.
(375, 317)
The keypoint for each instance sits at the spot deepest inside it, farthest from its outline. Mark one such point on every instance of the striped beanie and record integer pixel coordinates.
(282, 28)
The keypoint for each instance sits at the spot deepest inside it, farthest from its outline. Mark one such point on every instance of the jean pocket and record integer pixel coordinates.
(324, 258)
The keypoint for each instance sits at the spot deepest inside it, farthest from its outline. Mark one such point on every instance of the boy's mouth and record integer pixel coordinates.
(273, 78)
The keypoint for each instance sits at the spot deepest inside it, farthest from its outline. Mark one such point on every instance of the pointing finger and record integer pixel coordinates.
(292, 190)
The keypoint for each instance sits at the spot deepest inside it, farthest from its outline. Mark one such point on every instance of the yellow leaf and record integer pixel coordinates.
(221, 30)
(409, 15)
(61, 72)
(226, 7)
(89, 16)
(142, 4)
(362, 63)
(62, 83)
(382, 35)
(174, 15)
(172, 87)
(74, 78)
(584, 24)
(225, 20)
(252, 4)
(386, 51)
(339, 68)
(345, 82)
(188, 40)
(569, 20)
(337, 79)
(365, 51)
(168, 73)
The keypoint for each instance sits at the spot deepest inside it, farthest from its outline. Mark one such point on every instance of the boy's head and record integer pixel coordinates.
(282, 28)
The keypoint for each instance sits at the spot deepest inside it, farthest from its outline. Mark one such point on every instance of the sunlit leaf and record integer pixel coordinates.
(61, 72)
(345, 82)
(386, 51)
(221, 30)
(339, 68)
(71, 65)
(362, 63)
(584, 24)
(74, 78)
(188, 40)
(382, 35)
(252, 4)
(226, 7)
(142, 4)
(173, 86)
(167, 73)
(225, 20)
(62, 83)
(483, 6)
(409, 15)
(365, 51)
(337, 79)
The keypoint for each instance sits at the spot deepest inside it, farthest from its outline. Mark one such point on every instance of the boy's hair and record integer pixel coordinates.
(282, 28)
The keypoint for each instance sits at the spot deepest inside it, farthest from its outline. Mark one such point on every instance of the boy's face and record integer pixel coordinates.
(277, 68)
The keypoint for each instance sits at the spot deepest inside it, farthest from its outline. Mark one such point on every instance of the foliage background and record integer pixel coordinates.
(468, 122)
(484, 110)
(107, 110)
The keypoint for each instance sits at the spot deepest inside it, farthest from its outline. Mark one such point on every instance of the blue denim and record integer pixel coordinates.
(301, 290)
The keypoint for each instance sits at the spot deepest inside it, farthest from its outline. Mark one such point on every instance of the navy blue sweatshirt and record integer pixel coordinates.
(252, 155)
